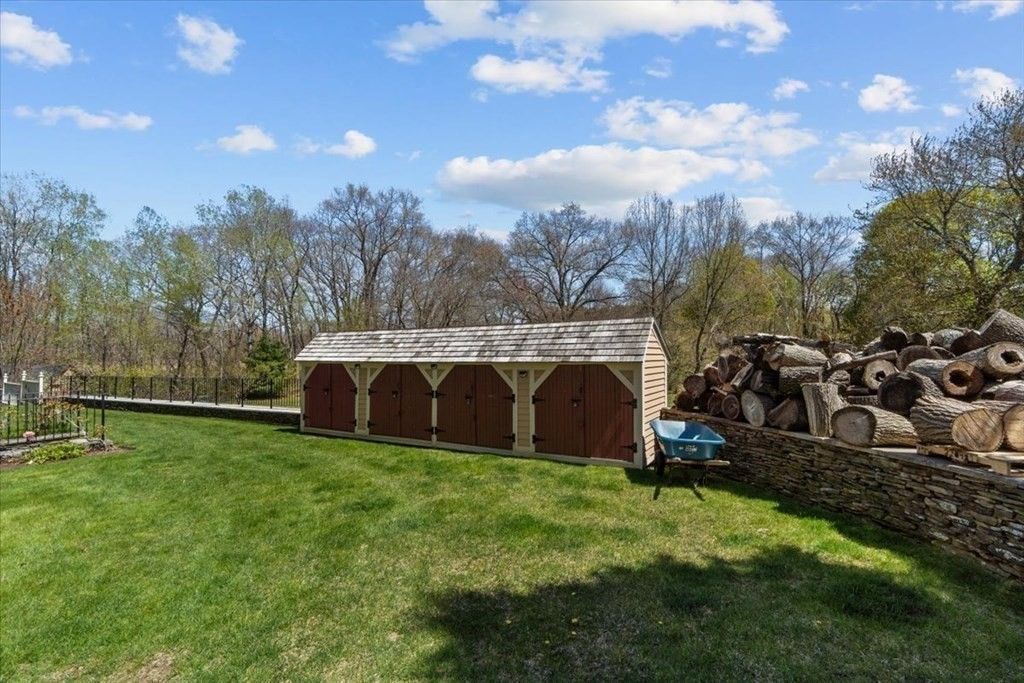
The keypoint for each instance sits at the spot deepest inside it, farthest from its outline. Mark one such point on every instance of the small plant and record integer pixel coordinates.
(57, 451)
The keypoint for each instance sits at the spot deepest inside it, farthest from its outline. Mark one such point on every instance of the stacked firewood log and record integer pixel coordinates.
(958, 387)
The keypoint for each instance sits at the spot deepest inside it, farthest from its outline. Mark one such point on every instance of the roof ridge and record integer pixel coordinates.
(572, 323)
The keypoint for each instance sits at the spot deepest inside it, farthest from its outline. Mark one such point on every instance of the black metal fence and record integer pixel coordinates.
(267, 392)
(49, 418)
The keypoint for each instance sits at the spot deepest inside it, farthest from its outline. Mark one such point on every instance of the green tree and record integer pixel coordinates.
(905, 276)
(267, 365)
(965, 196)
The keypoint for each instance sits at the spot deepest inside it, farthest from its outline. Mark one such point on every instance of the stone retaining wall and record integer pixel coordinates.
(282, 416)
(967, 510)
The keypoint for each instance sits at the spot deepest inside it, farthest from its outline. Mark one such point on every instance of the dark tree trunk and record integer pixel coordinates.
(946, 421)
(822, 400)
(870, 426)
(1001, 360)
(1002, 326)
(900, 392)
(790, 415)
(756, 407)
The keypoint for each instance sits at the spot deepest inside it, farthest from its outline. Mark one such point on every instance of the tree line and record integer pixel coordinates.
(941, 243)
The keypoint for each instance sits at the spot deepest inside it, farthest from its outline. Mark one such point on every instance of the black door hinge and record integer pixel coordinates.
(631, 446)
(536, 438)
(632, 403)
(511, 437)
(511, 398)
(535, 399)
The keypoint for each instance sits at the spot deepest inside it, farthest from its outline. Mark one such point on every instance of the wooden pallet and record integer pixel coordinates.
(1007, 463)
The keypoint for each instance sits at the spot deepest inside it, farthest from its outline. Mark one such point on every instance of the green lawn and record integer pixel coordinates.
(222, 550)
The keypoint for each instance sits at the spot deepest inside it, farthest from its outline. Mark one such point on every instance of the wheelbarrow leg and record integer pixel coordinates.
(659, 463)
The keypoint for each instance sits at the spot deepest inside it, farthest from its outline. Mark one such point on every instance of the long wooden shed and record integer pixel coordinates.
(577, 391)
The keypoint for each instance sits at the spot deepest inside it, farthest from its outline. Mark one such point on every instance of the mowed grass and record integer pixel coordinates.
(225, 550)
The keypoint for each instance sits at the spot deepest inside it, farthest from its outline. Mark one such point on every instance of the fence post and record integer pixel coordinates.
(103, 408)
(115, 385)
(271, 392)
(133, 388)
(216, 391)
(150, 387)
(242, 404)
(193, 390)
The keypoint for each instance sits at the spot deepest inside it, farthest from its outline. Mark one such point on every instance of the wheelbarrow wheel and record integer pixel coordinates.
(659, 463)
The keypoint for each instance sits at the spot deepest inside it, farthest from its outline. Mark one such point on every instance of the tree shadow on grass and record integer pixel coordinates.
(864, 531)
(781, 614)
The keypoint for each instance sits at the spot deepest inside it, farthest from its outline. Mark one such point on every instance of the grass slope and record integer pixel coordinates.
(222, 550)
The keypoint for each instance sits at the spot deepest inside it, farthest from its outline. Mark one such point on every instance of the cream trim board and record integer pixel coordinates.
(352, 373)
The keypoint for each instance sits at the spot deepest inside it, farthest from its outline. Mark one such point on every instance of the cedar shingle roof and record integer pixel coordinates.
(590, 341)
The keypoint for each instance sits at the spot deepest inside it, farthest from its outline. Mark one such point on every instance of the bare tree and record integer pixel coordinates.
(812, 251)
(719, 238)
(658, 260)
(559, 263)
(44, 227)
(374, 227)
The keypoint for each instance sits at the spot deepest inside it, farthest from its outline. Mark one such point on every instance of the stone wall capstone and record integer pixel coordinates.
(278, 416)
(968, 510)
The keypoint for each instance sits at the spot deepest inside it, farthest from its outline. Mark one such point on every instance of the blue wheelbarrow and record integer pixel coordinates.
(686, 443)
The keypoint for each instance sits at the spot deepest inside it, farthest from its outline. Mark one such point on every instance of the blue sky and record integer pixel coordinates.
(487, 109)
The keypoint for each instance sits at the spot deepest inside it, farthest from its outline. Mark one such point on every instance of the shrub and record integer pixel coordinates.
(57, 451)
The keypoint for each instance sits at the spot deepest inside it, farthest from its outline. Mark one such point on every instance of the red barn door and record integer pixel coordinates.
(585, 411)
(494, 402)
(455, 397)
(415, 404)
(608, 415)
(317, 407)
(343, 400)
(385, 417)
(558, 412)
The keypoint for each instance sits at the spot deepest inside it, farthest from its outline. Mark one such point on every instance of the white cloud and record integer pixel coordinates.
(109, 120)
(728, 127)
(554, 41)
(604, 178)
(998, 9)
(207, 47)
(542, 75)
(248, 138)
(854, 162)
(759, 209)
(951, 110)
(354, 145)
(574, 27)
(25, 43)
(983, 82)
(659, 67)
(888, 93)
(788, 88)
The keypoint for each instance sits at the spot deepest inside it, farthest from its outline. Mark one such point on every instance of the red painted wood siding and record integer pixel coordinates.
(558, 412)
(585, 411)
(317, 407)
(415, 404)
(607, 415)
(343, 400)
(455, 419)
(494, 405)
(386, 402)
